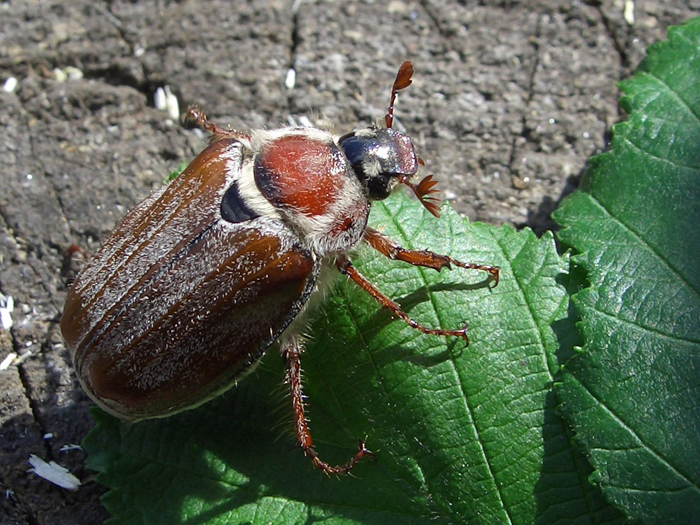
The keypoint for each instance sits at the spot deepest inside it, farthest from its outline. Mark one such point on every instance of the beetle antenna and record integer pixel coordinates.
(423, 190)
(403, 80)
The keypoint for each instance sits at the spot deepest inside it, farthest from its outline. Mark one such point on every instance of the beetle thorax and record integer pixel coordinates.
(304, 174)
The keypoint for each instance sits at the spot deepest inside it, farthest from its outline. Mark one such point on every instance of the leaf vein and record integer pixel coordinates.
(675, 94)
(677, 164)
(636, 436)
(675, 339)
(642, 242)
(463, 393)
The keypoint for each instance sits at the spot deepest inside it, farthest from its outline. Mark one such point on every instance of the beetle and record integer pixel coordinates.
(185, 295)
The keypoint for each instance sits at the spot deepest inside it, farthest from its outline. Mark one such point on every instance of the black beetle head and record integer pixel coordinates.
(383, 158)
(380, 159)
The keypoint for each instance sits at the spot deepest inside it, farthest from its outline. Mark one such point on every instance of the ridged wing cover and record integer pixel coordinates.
(177, 303)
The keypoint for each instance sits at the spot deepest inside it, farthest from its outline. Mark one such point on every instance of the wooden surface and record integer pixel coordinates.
(509, 101)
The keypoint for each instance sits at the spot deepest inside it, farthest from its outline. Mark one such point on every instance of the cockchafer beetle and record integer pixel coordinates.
(201, 278)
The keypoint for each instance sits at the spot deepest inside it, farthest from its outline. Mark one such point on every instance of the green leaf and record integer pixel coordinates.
(633, 396)
(176, 172)
(461, 434)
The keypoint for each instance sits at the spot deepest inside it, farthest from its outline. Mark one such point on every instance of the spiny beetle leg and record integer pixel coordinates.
(425, 258)
(291, 352)
(346, 267)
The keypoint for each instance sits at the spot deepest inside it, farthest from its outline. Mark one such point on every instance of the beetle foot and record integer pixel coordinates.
(362, 452)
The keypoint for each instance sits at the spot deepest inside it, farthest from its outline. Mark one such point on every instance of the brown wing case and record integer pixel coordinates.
(167, 314)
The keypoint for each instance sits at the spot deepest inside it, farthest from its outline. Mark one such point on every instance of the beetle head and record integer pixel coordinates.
(384, 158)
(380, 157)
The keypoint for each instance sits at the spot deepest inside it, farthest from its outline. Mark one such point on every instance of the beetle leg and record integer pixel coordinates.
(68, 267)
(291, 351)
(425, 258)
(346, 267)
(197, 117)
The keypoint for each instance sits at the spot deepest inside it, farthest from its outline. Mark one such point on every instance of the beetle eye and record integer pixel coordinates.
(380, 186)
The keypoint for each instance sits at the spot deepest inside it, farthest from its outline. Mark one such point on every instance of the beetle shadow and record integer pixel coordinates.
(421, 294)
(454, 345)
(455, 349)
